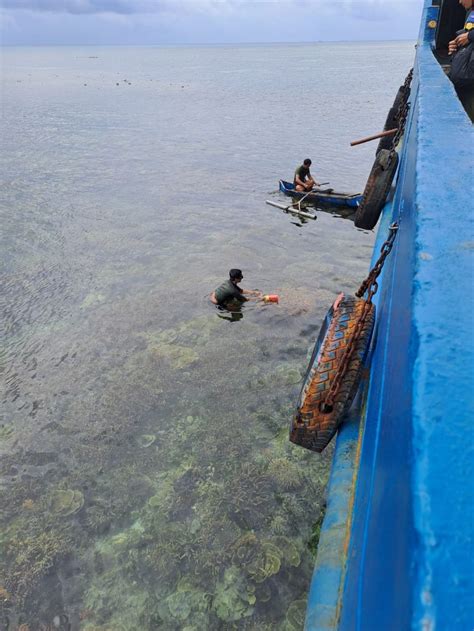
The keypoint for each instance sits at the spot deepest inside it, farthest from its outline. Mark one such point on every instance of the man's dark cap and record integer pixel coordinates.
(307, 162)
(235, 274)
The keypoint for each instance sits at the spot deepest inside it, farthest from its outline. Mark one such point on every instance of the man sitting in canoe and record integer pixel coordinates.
(303, 180)
(230, 294)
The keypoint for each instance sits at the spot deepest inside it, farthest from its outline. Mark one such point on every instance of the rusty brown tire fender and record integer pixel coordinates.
(313, 425)
(377, 189)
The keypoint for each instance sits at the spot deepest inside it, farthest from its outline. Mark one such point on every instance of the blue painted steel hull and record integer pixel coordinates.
(316, 197)
(396, 546)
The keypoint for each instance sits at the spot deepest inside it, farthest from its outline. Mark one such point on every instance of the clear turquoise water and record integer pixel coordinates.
(146, 477)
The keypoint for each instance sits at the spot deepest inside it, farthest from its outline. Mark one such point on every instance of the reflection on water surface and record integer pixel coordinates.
(147, 481)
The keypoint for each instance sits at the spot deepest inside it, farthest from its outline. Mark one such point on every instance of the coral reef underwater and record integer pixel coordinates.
(173, 504)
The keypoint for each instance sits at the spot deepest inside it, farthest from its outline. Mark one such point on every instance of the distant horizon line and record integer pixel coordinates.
(175, 44)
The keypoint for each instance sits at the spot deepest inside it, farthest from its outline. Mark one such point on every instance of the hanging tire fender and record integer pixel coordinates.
(377, 189)
(393, 117)
(402, 95)
(314, 425)
(390, 123)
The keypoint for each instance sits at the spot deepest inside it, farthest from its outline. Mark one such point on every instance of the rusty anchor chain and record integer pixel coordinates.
(369, 286)
(370, 283)
(402, 111)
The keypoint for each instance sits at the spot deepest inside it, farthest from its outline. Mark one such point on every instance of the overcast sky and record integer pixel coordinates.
(151, 22)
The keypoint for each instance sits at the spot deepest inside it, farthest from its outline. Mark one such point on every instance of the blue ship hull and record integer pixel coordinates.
(396, 546)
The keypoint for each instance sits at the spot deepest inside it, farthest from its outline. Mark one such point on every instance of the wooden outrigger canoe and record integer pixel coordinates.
(324, 196)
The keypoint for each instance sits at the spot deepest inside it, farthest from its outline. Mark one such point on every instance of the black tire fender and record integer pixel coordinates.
(390, 123)
(311, 427)
(392, 120)
(377, 189)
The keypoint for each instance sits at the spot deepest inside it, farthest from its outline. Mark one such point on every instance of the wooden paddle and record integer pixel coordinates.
(316, 189)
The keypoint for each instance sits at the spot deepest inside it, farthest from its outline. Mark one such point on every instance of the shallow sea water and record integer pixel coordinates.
(147, 481)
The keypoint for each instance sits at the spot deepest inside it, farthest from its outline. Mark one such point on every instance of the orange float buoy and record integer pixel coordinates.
(271, 298)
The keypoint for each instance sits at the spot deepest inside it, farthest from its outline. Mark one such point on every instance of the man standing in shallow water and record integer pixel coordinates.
(230, 292)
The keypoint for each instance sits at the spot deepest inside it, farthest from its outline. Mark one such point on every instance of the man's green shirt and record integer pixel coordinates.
(228, 291)
(302, 172)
